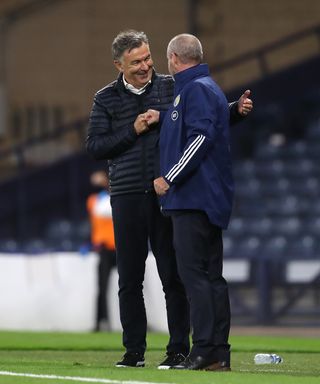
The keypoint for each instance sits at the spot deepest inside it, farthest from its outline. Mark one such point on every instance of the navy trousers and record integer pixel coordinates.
(199, 252)
(139, 223)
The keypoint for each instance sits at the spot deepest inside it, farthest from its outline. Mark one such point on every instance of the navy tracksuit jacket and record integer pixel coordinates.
(195, 154)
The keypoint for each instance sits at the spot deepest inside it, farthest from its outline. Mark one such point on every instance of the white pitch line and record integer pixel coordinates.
(75, 378)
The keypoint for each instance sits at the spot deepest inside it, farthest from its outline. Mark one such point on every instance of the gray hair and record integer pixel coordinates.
(187, 47)
(127, 40)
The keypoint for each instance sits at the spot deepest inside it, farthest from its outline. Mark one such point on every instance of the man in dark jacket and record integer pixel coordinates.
(197, 192)
(119, 132)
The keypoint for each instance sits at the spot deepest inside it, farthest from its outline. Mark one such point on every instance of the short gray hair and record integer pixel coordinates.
(127, 40)
(187, 47)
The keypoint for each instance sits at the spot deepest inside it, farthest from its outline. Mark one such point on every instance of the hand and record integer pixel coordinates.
(152, 116)
(141, 124)
(160, 186)
(245, 104)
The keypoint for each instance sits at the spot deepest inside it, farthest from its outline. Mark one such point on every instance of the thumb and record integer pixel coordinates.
(247, 93)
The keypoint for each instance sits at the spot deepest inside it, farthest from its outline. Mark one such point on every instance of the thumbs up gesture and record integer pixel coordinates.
(245, 104)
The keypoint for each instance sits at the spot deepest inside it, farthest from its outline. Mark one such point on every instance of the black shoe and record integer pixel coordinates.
(131, 360)
(172, 359)
(201, 363)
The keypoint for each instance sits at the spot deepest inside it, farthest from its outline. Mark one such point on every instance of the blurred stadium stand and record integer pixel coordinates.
(272, 246)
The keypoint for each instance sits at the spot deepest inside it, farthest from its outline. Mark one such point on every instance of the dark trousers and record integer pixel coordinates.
(138, 222)
(199, 252)
(107, 260)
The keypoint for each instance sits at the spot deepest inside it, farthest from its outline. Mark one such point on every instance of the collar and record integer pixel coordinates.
(183, 77)
(132, 89)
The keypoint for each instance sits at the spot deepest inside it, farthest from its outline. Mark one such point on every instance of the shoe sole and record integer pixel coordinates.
(164, 367)
(139, 365)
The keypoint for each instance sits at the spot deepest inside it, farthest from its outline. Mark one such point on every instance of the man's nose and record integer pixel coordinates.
(144, 66)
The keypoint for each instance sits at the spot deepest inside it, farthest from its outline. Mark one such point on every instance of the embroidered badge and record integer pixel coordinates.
(176, 101)
(174, 115)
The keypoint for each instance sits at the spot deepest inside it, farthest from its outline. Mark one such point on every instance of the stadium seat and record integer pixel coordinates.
(237, 227)
(312, 226)
(247, 188)
(83, 230)
(248, 248)
(267, 152)
(290, 227)
(302, 247)
(36, 246)
(294, 150)
(313, 208)
(9, 246)
(275, 247)
(303, 186)
(63, 235)
(314, 149)
(275, 188)
(59, 229)
(260, 227)
(299, 168)
(270, 168)
(313, 131)
(250, 208)
(286, 206)
(244, 169)
(228, 246)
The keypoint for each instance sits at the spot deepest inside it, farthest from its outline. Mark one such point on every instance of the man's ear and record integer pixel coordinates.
(118, 65)
(176, 59)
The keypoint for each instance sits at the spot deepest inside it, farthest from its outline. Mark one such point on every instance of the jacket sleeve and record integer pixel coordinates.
(200, 121)
(102, 142)
(235, 116)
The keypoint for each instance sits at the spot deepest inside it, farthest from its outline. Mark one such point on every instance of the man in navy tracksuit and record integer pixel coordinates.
(197, 192)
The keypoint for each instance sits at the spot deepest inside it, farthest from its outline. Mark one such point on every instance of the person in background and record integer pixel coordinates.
(196, 189)
(119, 132)
(102, 240)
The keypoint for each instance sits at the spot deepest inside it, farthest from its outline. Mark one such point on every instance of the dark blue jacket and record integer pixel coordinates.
(195, 154)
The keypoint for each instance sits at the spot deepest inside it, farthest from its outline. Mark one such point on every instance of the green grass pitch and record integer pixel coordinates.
(92, 355)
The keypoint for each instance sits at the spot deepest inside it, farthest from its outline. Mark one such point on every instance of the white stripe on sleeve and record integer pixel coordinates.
(186, 157)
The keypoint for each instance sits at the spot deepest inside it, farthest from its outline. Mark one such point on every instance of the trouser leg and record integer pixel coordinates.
(198, 246)
(131, 250)
(178, 311)
(220, 291)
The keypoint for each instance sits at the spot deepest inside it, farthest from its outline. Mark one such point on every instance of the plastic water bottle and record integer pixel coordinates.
(267, 358)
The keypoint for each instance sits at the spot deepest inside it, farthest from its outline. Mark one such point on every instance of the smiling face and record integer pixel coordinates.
(136, 66)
